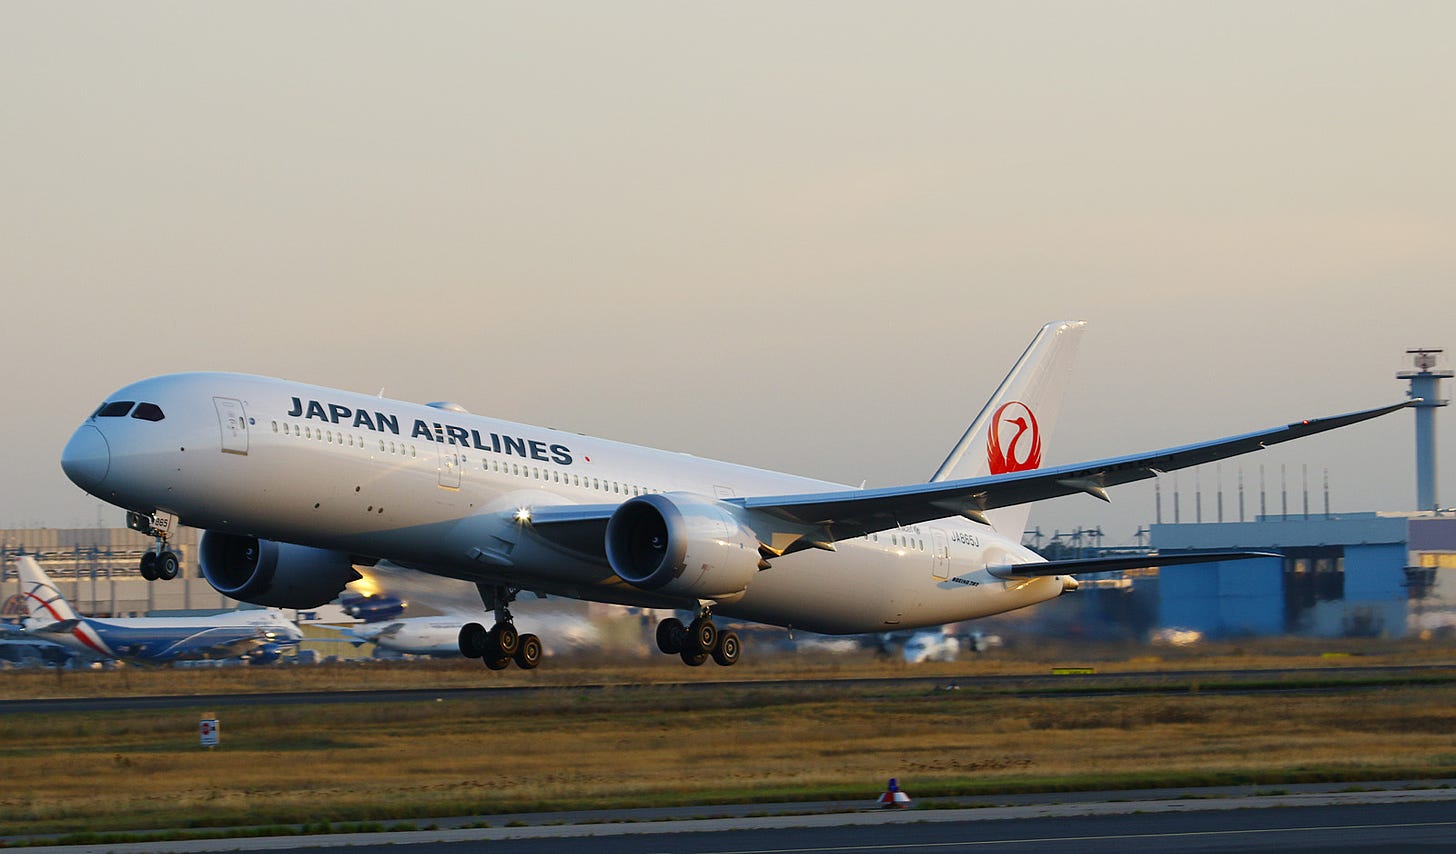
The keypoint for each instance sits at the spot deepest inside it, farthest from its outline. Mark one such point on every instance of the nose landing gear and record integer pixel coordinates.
(160, 563)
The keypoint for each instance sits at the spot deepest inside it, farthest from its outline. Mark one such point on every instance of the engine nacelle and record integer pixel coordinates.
(280, 575)
(682, 544)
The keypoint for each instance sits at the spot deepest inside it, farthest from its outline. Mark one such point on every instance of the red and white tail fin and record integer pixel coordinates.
(42, 600)
(1016, 424)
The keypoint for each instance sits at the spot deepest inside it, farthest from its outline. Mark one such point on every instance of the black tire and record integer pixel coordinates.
(472, 640)
(728, 648)
(528, 654)
(497, 662)
(148, 566)
(168, 565)
(693, 658)
(506, 638)
(704, 634)
(669, 635)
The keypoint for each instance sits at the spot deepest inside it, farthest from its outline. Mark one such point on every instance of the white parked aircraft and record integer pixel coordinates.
(151, 640)
(458, 603)
(295, 485)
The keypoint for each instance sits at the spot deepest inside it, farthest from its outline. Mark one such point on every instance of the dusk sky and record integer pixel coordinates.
(803, 236)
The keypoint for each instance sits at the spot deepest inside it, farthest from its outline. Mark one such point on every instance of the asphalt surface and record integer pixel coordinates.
(1405, 816)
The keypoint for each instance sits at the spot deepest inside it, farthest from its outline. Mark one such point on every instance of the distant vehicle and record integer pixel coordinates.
(296, 485)
(261, 633)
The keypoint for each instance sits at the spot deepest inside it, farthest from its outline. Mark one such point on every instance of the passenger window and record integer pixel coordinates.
(307, 433)
(116, 409)
(148, 412)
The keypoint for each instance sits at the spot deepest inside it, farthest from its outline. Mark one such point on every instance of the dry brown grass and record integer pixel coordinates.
(644, 744)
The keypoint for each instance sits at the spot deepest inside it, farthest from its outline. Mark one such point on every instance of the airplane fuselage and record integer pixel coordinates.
(450, 492)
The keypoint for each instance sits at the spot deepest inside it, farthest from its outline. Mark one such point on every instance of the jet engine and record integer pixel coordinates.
(280, 575)
(682, 544)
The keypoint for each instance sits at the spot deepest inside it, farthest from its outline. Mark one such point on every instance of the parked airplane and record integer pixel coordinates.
(150, 639)
(931, 645)
(295, 485)
(439, 635)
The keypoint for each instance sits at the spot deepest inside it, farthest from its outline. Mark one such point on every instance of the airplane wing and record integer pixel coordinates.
(1084, 566)
(853, 513)
(221, 641)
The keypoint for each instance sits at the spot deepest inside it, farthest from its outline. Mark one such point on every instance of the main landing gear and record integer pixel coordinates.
(698, 640)
(159, 563)
(502, 644)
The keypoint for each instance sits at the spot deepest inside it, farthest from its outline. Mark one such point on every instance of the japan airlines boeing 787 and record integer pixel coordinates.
(295, 485)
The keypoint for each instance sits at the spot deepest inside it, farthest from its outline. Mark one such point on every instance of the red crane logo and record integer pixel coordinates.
(1021, 452)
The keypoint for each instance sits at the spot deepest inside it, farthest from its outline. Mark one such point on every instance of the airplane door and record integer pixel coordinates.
(939, 555)
(233, 423)
(449, 466)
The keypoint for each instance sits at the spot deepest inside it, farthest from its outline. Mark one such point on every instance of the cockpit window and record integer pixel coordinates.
(116, 408)
(148, 412)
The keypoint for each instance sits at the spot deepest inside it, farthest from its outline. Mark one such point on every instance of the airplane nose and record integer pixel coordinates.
(87, 458)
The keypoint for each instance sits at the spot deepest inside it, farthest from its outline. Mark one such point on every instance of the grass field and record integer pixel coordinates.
(639, 742)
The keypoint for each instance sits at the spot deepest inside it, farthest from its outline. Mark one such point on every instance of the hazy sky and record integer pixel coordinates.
(805, 236)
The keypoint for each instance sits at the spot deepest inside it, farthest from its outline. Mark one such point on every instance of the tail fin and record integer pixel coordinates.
(1017, 421)
(42, 600)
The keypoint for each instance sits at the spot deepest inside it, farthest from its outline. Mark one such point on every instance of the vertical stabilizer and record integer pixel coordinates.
(42, 600)
(1014, 428)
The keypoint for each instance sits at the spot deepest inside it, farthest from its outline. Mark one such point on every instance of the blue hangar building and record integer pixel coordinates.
(1345, 575)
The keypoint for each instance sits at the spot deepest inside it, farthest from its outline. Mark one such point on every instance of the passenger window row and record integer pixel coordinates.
(489, 465)
(342, 439)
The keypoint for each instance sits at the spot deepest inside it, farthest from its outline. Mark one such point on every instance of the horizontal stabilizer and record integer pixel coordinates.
(1115, 564)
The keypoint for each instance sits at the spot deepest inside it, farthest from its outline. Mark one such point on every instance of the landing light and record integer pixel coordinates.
(523, 515)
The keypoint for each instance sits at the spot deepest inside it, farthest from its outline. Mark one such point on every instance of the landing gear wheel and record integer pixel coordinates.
(728, 648)
(473, 640)
(506, 638)
(149, 566)
(704, 634)
(528, 654)
(168, 565)
(495, 663)
(693, 657)
(669, 635)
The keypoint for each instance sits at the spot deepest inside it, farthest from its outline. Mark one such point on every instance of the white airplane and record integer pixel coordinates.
(149, 640)
(294, 485)
(931, 645)
(439, 635)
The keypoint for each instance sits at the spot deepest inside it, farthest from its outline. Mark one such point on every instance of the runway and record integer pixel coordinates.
(1191, 820)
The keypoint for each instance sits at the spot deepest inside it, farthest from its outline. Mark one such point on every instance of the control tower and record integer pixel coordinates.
(1425, 384)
